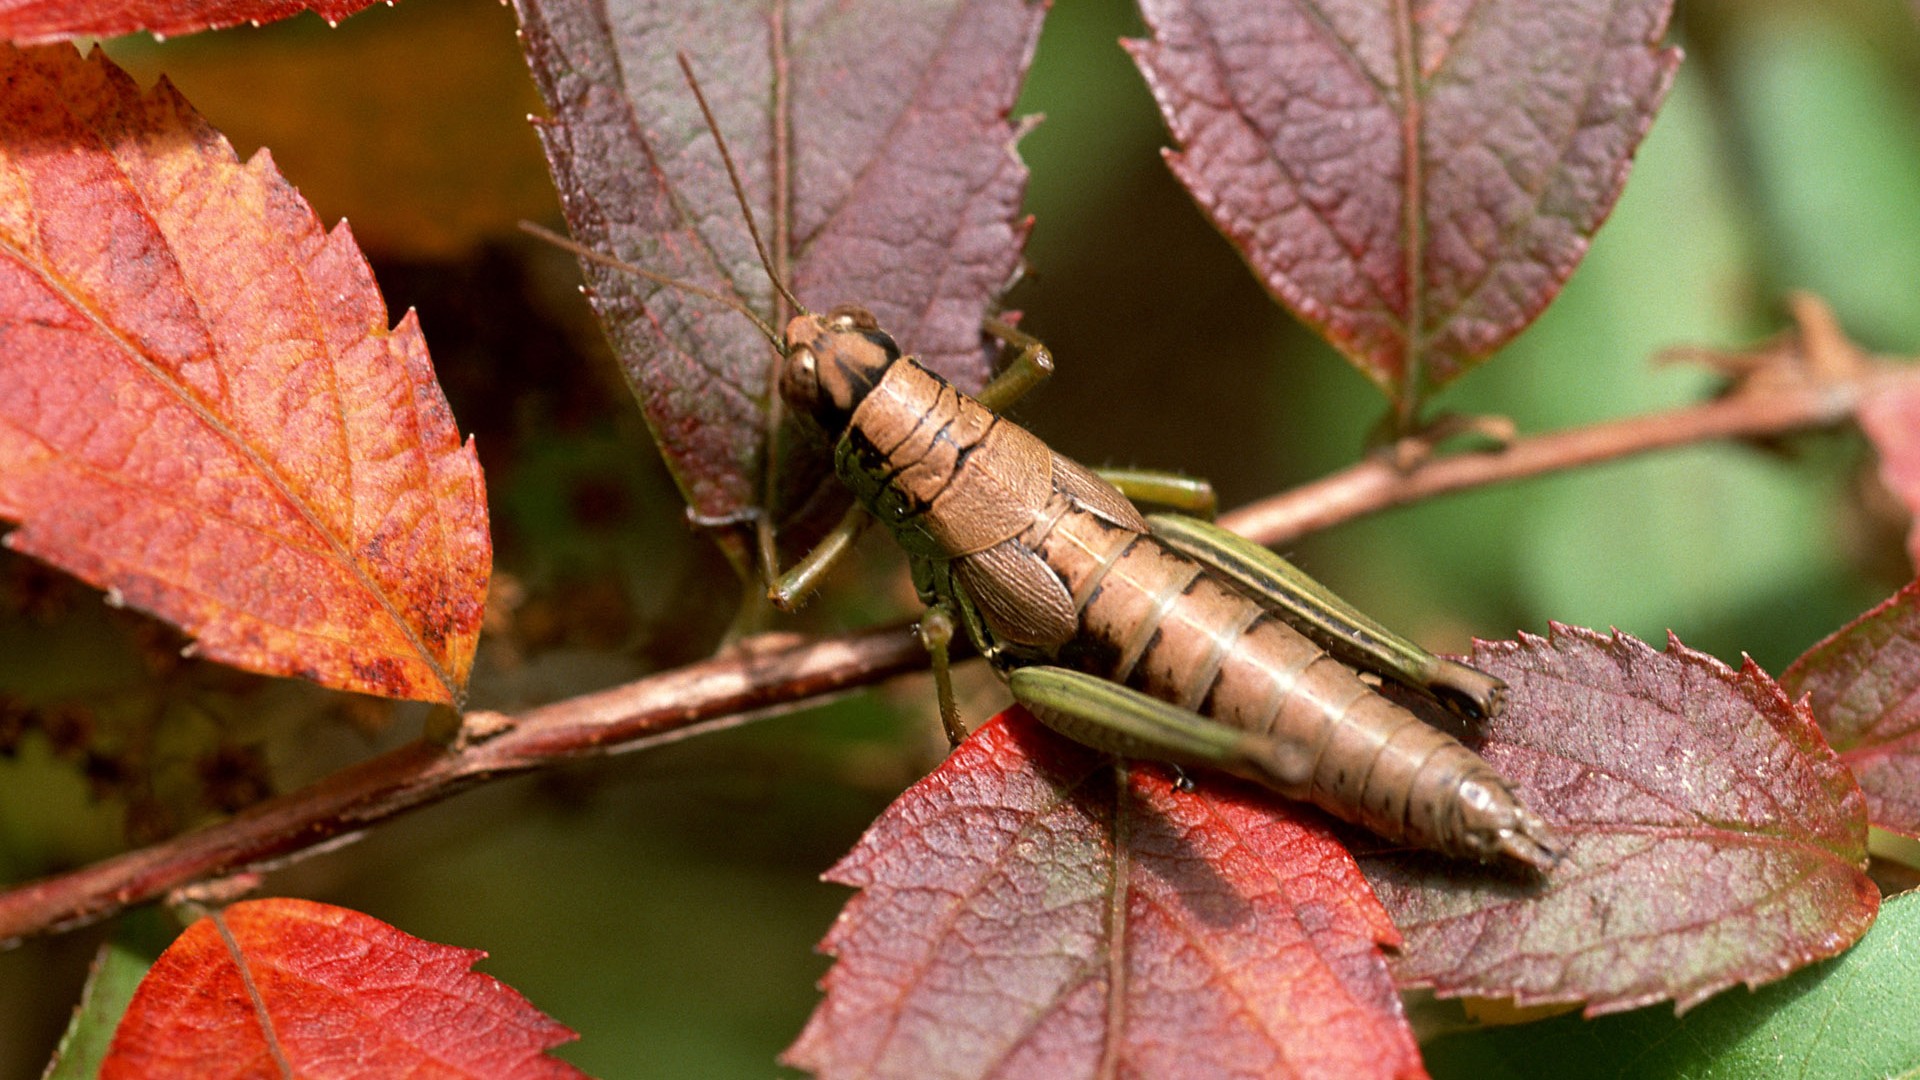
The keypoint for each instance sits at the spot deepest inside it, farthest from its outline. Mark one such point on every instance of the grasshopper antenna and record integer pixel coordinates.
(592, 256)
(776, 413)
(739, 189)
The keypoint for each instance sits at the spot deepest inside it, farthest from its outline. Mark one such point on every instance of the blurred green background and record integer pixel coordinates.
(666, 905)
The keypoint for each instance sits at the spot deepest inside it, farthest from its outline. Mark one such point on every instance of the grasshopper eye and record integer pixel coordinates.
(800, 381)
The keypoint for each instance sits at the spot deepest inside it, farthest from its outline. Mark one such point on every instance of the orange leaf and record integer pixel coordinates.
(34, 21)
(202, 408)
(272, 987)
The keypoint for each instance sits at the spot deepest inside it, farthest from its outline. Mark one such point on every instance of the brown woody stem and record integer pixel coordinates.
(1380, 483)
(706, 696)
(1793, 394)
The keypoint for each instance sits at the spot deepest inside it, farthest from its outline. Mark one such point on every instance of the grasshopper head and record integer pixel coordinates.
(833, 360)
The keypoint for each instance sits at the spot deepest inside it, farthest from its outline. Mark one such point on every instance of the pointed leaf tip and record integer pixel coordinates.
(1023, 912)
(328, 992)
(1713, 837)
(1391, 173)
(202, 408)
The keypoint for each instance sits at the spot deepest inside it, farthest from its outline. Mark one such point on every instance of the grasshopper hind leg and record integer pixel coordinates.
(1335, 625)
(1477, 816)
(1119, 720)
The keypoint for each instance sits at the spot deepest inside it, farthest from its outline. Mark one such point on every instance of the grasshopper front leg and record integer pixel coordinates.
(1326, 619)
(790, 590)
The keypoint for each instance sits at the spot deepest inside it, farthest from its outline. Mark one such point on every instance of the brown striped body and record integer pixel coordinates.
(947, 475)
(1152, 619)
(1046, 564)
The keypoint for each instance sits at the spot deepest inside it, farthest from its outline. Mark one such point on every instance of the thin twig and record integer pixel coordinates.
(1380, 484)
(1789, 395)
(707, 696)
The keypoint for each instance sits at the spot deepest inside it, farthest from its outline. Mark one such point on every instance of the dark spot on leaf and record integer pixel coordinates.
(384, 674)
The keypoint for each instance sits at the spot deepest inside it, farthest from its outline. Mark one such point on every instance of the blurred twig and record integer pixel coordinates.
(1811, 377)
(1807, 380)
(708, 696)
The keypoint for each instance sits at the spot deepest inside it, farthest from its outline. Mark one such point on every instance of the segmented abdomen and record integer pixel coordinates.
(1153, 619)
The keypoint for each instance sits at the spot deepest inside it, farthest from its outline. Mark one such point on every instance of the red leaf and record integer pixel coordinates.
(331, 993)
(1863, 685)
(1712, 837)
(885, 123)
(1296, 119)
(202, 408)
(32, 22)
(1890, 417)
(1019, 916)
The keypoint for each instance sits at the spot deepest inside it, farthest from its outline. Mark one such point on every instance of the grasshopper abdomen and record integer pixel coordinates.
(1152, 619)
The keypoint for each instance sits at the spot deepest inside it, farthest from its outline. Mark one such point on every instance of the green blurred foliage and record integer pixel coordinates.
(666, 904)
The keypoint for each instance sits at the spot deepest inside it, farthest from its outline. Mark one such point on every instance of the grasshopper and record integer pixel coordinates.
(1161, 637)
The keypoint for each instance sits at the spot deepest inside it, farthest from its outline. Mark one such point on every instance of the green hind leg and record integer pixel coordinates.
(1111, 717)
(1330, 622)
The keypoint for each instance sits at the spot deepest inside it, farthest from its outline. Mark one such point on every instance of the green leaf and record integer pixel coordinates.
(117, 970)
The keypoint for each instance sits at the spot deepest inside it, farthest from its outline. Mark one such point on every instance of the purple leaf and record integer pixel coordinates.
(1863, 686)
(1415, 181)
(1712, 837)
(877, 157)
(1030, 910)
